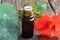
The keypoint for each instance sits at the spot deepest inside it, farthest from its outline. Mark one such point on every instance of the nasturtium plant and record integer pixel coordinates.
(7, 9)
(34, 8)
(8, 22)
(39, 7)
(38, 15)
(8, 29)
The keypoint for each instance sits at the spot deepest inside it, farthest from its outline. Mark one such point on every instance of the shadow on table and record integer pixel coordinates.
(45, 38)
(40, 38)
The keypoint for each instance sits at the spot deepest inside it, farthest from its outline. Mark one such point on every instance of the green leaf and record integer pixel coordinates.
(34, 8)
(38, 15)
(41, 7)
(7, 9)
(8, 22)
(8, 29)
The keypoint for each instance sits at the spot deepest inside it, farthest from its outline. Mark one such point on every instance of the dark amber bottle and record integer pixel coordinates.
(27, 23)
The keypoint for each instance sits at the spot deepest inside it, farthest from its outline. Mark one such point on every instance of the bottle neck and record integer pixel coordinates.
(28, 14)
(30, 17)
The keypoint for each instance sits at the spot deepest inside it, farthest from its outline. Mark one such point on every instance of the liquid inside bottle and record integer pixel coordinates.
(28, 23)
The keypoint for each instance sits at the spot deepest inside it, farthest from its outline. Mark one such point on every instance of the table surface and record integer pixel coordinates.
(49, 11)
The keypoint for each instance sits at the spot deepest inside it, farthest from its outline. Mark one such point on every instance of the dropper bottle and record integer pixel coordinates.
(28, 22)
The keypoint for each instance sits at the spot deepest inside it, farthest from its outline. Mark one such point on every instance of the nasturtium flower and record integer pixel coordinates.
(48, 25)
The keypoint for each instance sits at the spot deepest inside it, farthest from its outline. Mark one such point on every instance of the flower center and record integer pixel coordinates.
(51, 24)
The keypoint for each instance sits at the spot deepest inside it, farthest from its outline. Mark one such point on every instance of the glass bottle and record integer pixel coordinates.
(27, 22)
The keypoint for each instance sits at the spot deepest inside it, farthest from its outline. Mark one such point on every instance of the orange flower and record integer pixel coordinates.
(48, 26)
(56, 20)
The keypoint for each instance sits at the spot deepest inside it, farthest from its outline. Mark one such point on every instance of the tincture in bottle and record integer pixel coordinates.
(28, 22)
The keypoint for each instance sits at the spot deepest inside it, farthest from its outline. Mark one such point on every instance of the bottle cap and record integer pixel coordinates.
(28, 8)
(28, 11)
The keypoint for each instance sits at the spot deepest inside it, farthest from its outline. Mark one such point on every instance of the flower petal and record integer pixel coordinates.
(41, 25)
(56, 19)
